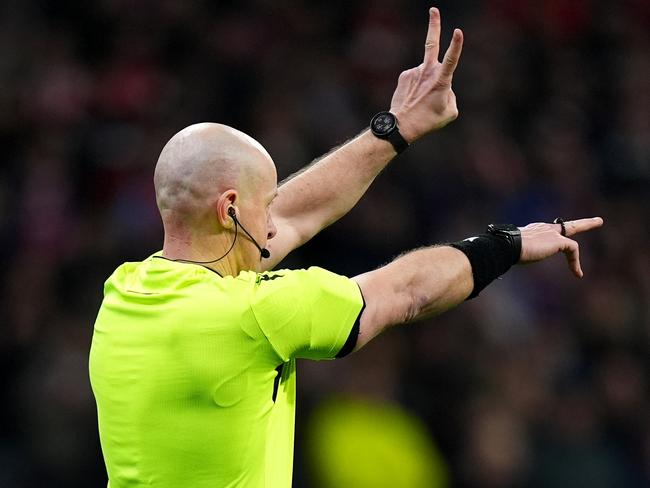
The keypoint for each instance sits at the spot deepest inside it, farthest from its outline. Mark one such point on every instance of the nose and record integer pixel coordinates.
(271, 229)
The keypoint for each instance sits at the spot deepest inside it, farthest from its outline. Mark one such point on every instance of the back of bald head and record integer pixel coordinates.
(198, 164)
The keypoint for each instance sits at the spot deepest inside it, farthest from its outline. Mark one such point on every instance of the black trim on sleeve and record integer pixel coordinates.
(351, 341)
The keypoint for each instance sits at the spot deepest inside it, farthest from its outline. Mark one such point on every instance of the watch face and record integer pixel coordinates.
(383, 123)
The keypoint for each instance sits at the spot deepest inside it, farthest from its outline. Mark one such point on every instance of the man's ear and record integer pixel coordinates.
(226, 200)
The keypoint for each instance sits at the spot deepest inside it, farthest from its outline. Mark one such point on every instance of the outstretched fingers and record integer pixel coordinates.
(570, 247)
(432, 43)
(581, 225)
(451, 58)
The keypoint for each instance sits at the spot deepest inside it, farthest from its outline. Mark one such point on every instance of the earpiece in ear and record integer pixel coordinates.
(265, 253)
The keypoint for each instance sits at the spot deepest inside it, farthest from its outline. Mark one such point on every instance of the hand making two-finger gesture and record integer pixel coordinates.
(541, 240)
(423, 100)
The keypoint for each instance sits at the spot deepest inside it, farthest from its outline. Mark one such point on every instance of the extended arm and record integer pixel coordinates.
(325, 191)
(318, 196)
(428, 281)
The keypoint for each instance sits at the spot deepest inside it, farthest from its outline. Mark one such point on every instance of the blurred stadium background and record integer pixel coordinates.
(543, 381)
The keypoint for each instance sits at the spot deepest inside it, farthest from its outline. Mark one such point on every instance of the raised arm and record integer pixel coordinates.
(428, 281)
(319, 195)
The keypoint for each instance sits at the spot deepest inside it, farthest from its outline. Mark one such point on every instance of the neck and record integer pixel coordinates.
(213, 252)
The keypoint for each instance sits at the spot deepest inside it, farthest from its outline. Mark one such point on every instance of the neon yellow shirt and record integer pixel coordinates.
(183, 364)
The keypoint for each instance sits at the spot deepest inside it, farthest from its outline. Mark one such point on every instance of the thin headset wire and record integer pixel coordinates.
(218, 259)
(246, 232)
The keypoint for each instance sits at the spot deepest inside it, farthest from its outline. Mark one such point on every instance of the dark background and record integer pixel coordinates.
(541, 381)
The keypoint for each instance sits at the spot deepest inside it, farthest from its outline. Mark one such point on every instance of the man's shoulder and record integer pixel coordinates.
(294, 278)
(310, 273)
(294, 285)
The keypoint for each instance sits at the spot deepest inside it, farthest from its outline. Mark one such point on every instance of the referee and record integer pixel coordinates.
(193, 355)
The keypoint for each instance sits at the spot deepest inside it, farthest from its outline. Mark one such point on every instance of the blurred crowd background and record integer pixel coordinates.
(542, 381)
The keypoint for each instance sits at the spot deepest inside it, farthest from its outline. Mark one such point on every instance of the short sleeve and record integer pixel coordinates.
(306, 313)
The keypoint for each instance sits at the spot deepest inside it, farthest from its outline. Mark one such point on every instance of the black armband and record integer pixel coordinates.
(491, 254)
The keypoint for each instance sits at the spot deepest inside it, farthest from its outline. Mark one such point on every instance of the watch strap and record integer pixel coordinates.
(398, 141)
(510, 233)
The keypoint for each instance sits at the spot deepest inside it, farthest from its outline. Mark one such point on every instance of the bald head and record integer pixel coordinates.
(201, 162)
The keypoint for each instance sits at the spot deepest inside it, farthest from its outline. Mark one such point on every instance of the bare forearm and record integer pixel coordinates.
(417, 285)
(315, 198)
(327, 190)
(429, 281)
(439, 278)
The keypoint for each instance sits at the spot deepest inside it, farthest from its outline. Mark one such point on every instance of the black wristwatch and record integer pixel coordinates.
(384, 125)
(512, 234)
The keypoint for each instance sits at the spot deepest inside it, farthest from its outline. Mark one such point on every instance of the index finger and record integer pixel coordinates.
(452, 56)
(581, 225)
(432, 44)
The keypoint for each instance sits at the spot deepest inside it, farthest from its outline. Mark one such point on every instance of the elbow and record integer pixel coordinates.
(415, 306)
(421, 301)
